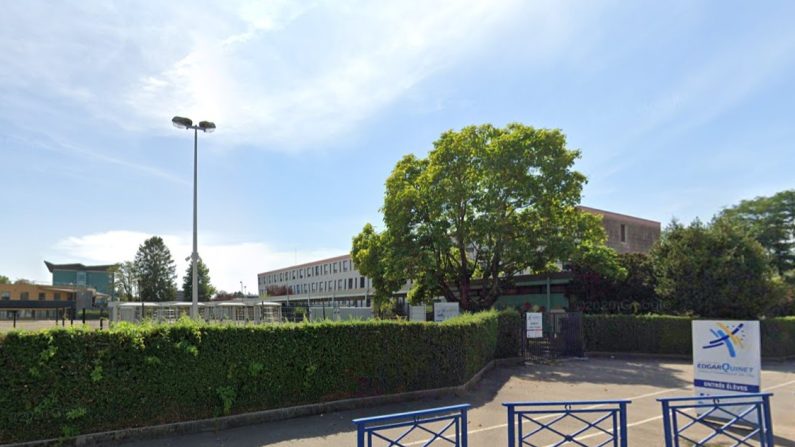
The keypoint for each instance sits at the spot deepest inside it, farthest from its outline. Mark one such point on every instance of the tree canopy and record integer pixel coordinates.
(715, 270)
(125, 280)
(206, 289)
(485, 204)
(4, 279)
(628, 291)
(771, 220)
(156, 271)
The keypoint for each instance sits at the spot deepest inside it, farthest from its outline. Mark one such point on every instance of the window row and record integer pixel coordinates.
(328, 286)
(329, 268)
(25, 296)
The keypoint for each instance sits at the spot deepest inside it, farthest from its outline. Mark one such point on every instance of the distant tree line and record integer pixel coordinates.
(739, 265)
(151, 276)
(488, 203)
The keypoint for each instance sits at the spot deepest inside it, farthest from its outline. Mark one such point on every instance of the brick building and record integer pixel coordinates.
(627, 234)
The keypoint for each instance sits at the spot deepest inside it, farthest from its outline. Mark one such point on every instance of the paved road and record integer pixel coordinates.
(641, 381)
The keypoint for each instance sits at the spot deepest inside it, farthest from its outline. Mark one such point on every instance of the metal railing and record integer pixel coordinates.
(738, 418)
(447, 425)
(561, 423)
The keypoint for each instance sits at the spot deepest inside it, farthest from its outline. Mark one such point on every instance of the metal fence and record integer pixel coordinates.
(436, 426)
(727, 420)
(298, 311)
(562, 336)
(584, 423)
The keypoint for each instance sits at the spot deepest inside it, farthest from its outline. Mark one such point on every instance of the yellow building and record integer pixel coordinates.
(36, 301)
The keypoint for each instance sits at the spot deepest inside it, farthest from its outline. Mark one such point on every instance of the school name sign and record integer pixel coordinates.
(726, 357)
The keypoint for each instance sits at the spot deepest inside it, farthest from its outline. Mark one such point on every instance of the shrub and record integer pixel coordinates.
(652, 334)
(509, 334)
(63, 382)
(778, 337)
(665, 334)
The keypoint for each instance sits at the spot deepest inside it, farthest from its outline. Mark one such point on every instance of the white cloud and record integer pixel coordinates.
(277, 72)
(229, 263)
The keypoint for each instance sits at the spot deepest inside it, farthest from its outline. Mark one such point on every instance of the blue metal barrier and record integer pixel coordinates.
(739, 417)
(388, 428)
(601, 418)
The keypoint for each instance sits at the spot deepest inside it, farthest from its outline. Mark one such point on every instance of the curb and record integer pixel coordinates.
(685, 357)
(637, 355)
(257, 417)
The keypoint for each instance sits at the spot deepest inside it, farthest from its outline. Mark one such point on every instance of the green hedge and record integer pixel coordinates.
(778, 337)
(664, 334)
(63, 382)
(509, 334)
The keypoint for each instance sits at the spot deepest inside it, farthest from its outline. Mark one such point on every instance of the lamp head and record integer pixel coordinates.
(181, 122)
(207, 126)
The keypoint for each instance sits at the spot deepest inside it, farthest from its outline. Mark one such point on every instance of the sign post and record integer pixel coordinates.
(726, 358)
(417, 313)
(444, 311)
(535, 324)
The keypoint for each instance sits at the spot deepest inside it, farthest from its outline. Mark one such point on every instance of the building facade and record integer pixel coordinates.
(336, 280)
(97, 277)
(328, 280)
(627, 234)
(34, 301)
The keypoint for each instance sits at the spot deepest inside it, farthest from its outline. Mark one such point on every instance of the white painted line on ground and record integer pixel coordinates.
(591, 407)
(594, 435)
(655, 418)
(780, 385)
(633, 424)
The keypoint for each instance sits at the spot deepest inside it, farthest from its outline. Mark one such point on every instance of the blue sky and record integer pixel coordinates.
(680, 108)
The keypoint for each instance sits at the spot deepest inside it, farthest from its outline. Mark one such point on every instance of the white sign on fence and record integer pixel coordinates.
(726, 357)
(535, 324)
(444, 311)
(417, 313)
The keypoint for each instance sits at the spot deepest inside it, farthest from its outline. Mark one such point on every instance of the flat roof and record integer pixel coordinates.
(77, 266)
(307, 264)
(580, 207)
(618, 215)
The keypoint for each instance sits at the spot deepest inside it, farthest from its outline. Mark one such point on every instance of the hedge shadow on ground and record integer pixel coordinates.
(608, 372)
(597, 371)
(330, 424)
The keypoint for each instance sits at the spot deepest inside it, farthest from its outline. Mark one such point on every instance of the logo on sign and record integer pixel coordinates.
(729, 336)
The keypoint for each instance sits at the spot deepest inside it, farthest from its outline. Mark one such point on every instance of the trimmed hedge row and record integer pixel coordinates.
(63, 382)
(509, 334)
(665, 334)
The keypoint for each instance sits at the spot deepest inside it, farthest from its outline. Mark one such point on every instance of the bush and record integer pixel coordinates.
(652, 334)
(63, 382)
(665, 334)
(778, 337)
(509, 334)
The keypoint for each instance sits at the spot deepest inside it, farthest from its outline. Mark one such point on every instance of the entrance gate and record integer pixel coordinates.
(562, 336)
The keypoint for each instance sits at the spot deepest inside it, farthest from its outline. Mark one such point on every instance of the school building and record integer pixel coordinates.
(336, 280)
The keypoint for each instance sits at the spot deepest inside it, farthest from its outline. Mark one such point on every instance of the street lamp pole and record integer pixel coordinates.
(194, 308)
(206, 127)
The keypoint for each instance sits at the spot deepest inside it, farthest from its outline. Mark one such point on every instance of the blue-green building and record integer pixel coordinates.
(97, 277)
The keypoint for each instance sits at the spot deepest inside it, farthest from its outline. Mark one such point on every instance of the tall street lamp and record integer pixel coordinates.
(206, 127)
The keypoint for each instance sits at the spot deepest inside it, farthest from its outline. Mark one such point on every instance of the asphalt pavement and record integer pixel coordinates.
(642, 381)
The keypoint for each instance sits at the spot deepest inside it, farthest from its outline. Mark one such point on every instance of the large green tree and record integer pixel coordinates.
(125, 280)
(4, 279)
(156, 271)
(771, 220)
(373, 254)
(715, 270)
(628, 290)
(206, 289)
(485, 204)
